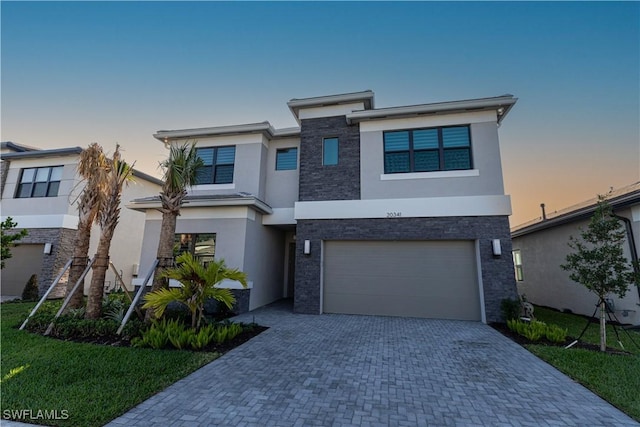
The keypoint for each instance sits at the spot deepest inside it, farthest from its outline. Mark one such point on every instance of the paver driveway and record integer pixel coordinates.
(335, 370)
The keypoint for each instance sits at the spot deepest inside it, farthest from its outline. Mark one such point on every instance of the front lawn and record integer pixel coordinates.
(87, 384)
(615, 378)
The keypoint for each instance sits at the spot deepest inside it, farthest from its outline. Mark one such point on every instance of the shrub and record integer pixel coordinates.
(510, 308)
(556, 334)
(30, 291)
(535, 330)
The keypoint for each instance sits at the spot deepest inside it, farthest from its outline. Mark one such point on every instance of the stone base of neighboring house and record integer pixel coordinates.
(49, 265)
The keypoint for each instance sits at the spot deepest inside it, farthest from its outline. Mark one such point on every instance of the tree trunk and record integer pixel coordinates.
(165, 255)
(80, 261)
(603, 326)
(100, 267)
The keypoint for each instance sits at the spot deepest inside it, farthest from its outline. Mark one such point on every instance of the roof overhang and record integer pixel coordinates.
(206, 201)
(264, 128)
(501, 104)
(36, 154)
(295, 105)
(584, 212)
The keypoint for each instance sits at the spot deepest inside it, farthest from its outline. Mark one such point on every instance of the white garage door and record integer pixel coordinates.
(434, 279)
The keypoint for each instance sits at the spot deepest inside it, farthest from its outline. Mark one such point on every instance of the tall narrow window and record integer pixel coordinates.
(330, 151)
(218, 166)
(39, 182)
(517, 264)
(287, 159)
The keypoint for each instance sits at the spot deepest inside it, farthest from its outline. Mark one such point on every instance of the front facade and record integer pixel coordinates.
(395, 211)
(39, 191)
(540, 247)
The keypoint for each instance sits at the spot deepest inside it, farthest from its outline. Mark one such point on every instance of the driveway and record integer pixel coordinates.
(335, 370)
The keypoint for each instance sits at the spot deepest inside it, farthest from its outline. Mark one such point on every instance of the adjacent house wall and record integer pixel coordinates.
(546, 283)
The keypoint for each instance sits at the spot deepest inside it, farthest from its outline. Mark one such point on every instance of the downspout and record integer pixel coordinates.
(632, 247)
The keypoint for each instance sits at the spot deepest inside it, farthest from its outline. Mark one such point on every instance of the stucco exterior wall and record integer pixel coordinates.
(486, 164)
(546, 283)
(282, 186)
(263, 255)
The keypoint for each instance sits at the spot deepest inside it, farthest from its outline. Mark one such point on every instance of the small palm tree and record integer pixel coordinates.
(93, 167)
(120, 172)
(198, 285)
(180, 173)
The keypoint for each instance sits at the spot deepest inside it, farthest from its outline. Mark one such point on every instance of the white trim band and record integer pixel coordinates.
(405, 208)
(426, 175)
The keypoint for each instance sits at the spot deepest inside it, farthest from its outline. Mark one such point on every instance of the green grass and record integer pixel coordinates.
(92, 383)
(615, 378)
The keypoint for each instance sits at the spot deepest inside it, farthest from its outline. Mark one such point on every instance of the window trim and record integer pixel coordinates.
(441, 149)
(215, 165)
(286, 149)
(33, 182)
(337, 151)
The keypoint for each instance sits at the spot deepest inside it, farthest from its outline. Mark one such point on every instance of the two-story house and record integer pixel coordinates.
(39, 189)
(394, 211)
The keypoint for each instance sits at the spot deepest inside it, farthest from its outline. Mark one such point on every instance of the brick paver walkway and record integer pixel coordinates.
(335, 370)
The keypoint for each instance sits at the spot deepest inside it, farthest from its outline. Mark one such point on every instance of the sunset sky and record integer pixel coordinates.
(78, 72)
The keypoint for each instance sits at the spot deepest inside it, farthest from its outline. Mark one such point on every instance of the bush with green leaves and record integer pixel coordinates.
(536, 330)
(510, 308)
(30, 291)
(168, 333)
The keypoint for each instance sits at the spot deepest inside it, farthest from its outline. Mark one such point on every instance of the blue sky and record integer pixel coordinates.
(78, 72)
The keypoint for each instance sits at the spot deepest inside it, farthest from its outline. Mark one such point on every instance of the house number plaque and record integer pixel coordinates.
(394, 214)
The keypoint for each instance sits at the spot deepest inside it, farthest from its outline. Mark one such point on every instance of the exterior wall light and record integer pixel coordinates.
(47, 248)
(495, 245)
(307, 247)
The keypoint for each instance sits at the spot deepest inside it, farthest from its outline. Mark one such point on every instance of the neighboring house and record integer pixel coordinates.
(541, 246)
(39, 191)
(391, 211)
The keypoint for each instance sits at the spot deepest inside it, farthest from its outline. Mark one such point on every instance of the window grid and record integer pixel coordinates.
(287, 159)
(39, 182)
(218, 165)
(427, 150)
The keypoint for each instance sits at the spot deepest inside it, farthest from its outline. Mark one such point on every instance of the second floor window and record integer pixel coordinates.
(427, 150)
(330, 151)
(218, 165)
(287, 159)
(39, 182)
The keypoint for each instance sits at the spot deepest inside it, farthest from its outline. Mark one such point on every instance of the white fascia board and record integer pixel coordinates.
(504, 102)
(168, 135)
(280, 216)
(497, 205)
(401, 123)
(329, 110)
(230, 212)
(45, 221)
(295, 105)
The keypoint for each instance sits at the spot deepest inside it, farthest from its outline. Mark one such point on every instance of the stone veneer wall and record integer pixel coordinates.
(497, 272)
(338, 182)
(62, 249)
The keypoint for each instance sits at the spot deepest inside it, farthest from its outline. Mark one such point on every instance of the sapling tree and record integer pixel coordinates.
(598, 262)
(8, 239)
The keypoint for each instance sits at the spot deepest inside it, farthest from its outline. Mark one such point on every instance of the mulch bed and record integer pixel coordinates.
(504, 330)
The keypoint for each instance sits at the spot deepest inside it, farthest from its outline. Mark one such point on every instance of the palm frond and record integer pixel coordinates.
(161, 298)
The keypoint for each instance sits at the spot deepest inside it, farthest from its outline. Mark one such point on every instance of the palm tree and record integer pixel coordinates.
(119, 173)
(198, 285)
(93, 168)
(180, 172)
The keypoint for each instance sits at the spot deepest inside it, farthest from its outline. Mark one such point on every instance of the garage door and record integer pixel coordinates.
(25, 260)
(434, 279)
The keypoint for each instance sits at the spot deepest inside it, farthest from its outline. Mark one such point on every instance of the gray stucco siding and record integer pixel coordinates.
(497, 272)
(547, 284)
(486, 159)
(282, 185)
